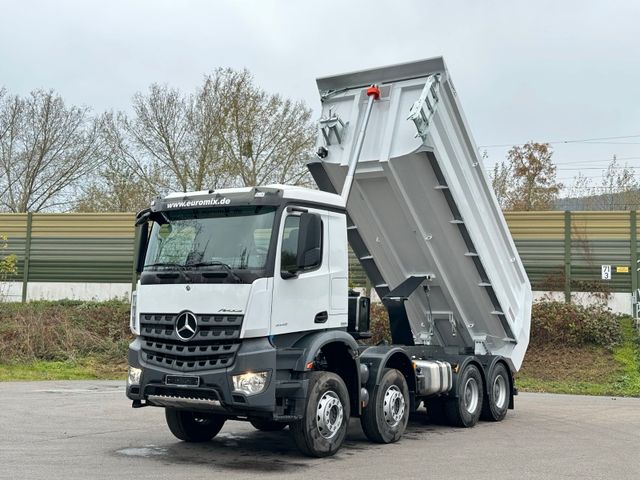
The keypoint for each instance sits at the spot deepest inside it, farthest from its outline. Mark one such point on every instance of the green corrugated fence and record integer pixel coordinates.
(561, 251)
(70, 247)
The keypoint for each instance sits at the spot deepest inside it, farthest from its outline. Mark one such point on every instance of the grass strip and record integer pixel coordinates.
(585, 370)
(82, 369)
(628, 356)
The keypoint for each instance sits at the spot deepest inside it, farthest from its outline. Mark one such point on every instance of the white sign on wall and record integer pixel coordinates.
(606, 272)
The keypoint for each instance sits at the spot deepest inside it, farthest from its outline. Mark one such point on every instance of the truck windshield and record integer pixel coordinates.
(232, 238)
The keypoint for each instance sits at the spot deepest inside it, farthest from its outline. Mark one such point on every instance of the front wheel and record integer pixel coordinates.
(385, 418)
(323, 427)
(193, 426)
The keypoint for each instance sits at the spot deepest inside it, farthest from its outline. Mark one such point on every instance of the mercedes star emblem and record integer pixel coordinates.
(186, 326)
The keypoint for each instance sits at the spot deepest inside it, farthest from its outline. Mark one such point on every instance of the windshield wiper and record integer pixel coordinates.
(180, 267)
(226, 266)
(166, 264)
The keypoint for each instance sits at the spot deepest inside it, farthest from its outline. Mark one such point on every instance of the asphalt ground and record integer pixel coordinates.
(88, 430)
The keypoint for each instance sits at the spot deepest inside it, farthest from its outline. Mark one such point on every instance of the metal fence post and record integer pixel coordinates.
(633, 246)
(27, 257)
(134, 274)
(567, 256)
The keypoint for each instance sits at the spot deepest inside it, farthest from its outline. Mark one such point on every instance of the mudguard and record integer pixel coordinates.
(461, 361)
(375, 358)
(312, 343)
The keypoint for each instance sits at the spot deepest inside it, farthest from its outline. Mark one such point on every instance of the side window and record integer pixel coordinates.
(289, 251)
(310, 226)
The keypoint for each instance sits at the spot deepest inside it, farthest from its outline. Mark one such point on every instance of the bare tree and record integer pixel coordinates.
(499, 181)
(46, 147)
(228, 132)
(265, 138)
(115, 188)
(527, 181)
(619, 189)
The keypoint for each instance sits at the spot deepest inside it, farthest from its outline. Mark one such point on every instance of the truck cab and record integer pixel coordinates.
(233, 284)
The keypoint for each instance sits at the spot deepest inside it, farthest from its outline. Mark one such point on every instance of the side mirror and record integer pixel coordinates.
(142, 236)
(309, 241)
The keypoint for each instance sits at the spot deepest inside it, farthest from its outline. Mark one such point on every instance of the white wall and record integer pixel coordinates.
(12, 292)
(618, 302)
(63, 290)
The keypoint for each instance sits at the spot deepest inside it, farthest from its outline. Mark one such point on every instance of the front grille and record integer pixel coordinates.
(214, 345)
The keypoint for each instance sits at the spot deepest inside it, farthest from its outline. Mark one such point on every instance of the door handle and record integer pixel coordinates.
(321, 317)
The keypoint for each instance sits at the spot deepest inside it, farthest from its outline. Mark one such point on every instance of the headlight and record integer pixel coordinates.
(250, 383)
(134, 376)
(134, 321)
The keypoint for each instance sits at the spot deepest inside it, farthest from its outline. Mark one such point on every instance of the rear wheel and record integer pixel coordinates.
(267, 425)
(323, 427)
(385, 418)
(193, 426)
(497, 399)
(464, 411)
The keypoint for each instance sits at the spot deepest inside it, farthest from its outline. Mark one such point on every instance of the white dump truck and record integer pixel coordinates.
(243, 309)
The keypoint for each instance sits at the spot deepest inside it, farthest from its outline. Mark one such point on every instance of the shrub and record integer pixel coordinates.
(8, 265)
(379, 324)
(559, 323)
(65, 330)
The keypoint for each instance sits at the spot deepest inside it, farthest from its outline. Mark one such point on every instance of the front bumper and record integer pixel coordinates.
(215, 390)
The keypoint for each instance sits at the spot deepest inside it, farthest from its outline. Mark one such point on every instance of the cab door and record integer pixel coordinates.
(301, 294)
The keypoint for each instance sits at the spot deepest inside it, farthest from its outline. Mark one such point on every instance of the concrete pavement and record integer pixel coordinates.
(87, 429)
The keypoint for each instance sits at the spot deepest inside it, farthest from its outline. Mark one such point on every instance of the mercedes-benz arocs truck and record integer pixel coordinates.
(243, 309)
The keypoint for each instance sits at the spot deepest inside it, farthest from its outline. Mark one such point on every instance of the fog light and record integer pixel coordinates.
(250, 383)
(134, 376)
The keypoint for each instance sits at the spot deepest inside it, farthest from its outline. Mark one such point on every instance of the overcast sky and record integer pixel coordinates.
(536, 70)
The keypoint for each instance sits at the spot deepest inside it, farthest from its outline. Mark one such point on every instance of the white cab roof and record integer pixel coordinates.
(290, 192)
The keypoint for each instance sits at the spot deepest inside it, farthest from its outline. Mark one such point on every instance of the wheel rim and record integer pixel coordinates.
(500, 392)
(393, 406)
(471, 392)
(329, 414)
(201, 420)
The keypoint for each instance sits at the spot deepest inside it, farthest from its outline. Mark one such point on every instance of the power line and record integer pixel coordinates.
(609, 143)
(580, 162)
(583, 162)
(597, 187)
(566, 179)
(602, 169)
(583, 140)
(622, 167)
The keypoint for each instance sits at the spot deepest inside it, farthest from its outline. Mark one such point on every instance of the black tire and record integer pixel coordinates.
(464, 411)
(193, 426)
(435, 410)
(267, 425)
(385, 418)
(496, 401)
(323, 427)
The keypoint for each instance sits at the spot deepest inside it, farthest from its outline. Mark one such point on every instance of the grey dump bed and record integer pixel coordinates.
(421, 205)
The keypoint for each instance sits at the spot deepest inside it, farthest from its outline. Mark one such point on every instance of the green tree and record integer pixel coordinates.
(527, 180)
